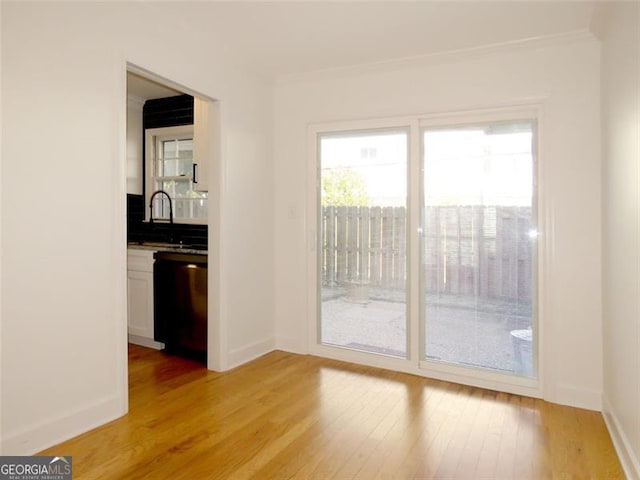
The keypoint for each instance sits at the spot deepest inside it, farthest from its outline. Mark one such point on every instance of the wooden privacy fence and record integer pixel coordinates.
(364, 244)
(469, 250)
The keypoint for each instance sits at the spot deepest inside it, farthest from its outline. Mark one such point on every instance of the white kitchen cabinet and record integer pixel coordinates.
(140, 298)
(135, 154)
(206, 140)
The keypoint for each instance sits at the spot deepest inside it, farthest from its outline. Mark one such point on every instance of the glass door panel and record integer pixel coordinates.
(363, 228)
(478, 246)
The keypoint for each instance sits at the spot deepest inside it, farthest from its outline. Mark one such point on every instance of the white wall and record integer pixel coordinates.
(620, 33)
(566, 79)
(63, 207)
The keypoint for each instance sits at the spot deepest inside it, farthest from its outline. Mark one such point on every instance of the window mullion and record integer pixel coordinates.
(414, 244)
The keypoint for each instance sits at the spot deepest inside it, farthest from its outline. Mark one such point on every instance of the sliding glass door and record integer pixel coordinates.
(363, 257)
(426, 245)
(478, 261)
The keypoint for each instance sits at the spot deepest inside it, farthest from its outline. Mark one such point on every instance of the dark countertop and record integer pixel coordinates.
(166, 247)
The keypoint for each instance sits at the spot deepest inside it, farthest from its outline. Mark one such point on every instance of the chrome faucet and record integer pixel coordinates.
(151, 206)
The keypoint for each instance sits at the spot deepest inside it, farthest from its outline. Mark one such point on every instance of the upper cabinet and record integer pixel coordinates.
(201, 144)
(134, 145)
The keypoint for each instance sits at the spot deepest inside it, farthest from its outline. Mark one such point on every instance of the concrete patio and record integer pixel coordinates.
(459, 329)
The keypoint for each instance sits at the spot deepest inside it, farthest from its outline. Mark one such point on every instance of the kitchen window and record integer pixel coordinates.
(171, 168)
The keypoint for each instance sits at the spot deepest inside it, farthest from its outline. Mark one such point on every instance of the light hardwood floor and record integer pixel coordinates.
(288, 416)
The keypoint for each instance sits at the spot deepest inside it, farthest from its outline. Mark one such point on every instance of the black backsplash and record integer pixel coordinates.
(140, 231)
(168, 112)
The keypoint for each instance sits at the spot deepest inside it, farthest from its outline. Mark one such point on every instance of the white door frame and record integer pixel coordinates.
(531, 110)
(216, 325)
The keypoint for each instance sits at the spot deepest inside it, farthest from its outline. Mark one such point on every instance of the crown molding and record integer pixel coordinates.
(451, 56)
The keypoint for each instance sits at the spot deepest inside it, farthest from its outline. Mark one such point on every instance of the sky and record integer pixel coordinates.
(486, 165)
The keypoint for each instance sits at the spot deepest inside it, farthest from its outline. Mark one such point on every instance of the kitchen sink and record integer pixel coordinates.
(171, 245)
(165, 244)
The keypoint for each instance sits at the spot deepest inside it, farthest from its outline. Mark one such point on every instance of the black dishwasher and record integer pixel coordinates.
(180, 303)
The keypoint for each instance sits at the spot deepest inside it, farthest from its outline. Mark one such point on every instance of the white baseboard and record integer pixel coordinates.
(37, 437)
(628, 458)
(250, 352)
(145, 342)
(291, 344)
(577, 397)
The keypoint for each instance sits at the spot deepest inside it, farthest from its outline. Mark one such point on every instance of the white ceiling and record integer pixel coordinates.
(145, 89)
(280, 38)
(276, 39)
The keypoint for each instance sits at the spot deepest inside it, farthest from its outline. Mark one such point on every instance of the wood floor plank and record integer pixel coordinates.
(602, 460)
(421, 413)
(407, 422)
(478, 427)
(487, 462)
(507, 452)
(287, 416)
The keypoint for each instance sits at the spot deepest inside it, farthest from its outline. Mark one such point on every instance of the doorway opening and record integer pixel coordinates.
(168, 166)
